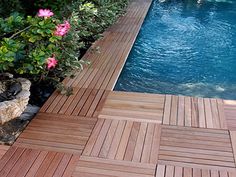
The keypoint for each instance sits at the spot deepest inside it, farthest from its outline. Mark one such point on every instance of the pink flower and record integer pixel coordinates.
(62, 29)
(51, 62)
(45, 13)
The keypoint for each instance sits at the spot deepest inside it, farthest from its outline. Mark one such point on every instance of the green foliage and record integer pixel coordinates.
(27, 47)
(28, 42)
(94, 17)
(9, 6)
(10, 50)
(11, 24)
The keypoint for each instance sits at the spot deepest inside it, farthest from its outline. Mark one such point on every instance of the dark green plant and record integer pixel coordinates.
(26, 49)
(9, 6)
(28, 42)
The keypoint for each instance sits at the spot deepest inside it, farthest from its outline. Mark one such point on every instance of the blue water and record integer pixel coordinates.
(184, 48)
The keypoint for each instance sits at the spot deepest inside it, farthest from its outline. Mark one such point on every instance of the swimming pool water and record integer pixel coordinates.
(184, 48)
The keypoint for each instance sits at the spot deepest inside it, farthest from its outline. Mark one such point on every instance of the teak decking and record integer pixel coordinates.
(97, 132)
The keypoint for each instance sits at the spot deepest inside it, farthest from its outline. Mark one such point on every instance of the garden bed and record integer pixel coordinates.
(45, 47)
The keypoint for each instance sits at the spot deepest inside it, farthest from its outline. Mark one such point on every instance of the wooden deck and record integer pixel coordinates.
(97, 132)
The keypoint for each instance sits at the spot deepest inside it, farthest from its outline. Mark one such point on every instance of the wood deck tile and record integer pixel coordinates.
(99, 167)
(24, 162)
(194, 112)
(124, 140)
(3, 150)
(133, 106)
(196, 147)
(178, 171)
(57, 133)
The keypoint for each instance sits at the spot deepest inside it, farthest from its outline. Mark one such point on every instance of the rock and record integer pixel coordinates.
(13, 108)
(11, 130)
(6, 76)
(25, 84)
(29, 112)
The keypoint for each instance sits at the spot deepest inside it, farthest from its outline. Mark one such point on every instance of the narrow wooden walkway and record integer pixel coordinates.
(97, 132)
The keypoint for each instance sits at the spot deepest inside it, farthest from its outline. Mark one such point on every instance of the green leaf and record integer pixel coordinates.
(32, 39)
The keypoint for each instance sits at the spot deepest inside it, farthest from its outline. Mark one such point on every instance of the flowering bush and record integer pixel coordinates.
(62, 29)
(48, 47)
(39, 48)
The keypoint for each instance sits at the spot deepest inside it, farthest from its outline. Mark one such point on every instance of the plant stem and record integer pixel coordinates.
(20, 32)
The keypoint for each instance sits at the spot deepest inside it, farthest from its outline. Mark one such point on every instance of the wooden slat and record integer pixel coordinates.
(221, 111)
(188, 112)
(195, 113)
(124, 141)
(132, 141)
(202, 118)
(174, 111)
(208, 112)
(109, 138)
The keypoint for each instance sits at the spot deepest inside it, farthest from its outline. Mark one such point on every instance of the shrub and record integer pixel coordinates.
(38, 47)
(94, 18)
(9, 6)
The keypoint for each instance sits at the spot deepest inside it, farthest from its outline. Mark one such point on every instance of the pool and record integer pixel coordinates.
(184, 48)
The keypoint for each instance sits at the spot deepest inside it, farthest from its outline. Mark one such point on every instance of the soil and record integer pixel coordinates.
(40, 93)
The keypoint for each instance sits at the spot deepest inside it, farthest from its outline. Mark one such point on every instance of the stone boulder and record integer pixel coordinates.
(13, 108)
